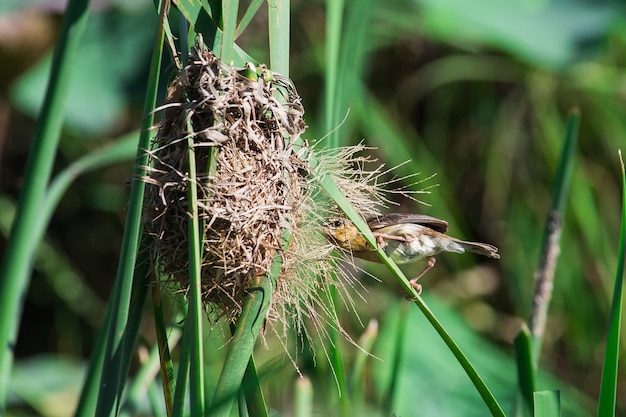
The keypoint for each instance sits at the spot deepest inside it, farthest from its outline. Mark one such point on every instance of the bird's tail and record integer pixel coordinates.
(484, 249)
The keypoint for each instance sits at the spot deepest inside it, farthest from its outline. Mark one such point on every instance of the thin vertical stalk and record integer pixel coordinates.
(178, 404)
(114, 362)
(145, 378)
(544, 275)
(167, 369)
(196, 386)
(15, 270)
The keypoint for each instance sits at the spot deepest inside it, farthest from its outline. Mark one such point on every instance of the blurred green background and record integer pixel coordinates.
(474, 92)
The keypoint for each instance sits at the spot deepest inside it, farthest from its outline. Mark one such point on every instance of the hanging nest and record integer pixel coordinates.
(248, 175)
(254, 181)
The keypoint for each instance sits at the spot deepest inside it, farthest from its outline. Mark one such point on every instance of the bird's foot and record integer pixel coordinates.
(418, 288)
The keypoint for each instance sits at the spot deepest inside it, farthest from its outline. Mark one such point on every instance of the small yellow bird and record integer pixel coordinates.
(405, 238)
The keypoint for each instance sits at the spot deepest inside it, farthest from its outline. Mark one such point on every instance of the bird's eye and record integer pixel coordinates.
(334, 223)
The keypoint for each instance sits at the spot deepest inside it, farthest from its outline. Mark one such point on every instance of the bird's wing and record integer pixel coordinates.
(385, 220)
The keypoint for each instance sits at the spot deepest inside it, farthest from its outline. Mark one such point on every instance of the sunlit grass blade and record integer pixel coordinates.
(229, 27)
(333, 191)
(547, 404)
(114, 363)
(608, 385)
(334, 24)
(278, 21)
(201, 22)
(20, 250)
(344, 67)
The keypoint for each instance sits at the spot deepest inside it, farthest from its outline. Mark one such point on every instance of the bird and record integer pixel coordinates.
(405, 238)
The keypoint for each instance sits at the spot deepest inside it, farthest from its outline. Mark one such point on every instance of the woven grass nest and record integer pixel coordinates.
(254, 181)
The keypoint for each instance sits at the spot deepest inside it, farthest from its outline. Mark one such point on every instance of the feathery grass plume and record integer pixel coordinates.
(254, 180)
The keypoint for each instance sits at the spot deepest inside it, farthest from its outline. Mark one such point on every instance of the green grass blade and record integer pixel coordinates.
(124, 149)
(196, 385)
(278, 20)
(336, 356)
(201, 22)
(351, 70)
(303, 399)
(145, 378)
(167, 368)
(178, 405)
(242, 344)
(128, 337)
(331, 188)
(387, 399)
(16, 267)
(487, 396)
(252, 391)
(396, 142)
(608, 385)
(229, 27)
(564, 172)
(548, 404)
(155, 401)
(526, 378)
(88, 399)
(334, 24)
(91, 388)
(138, 296)
(113, 373)
(544, 275)
(357, 376)
(247, 17)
